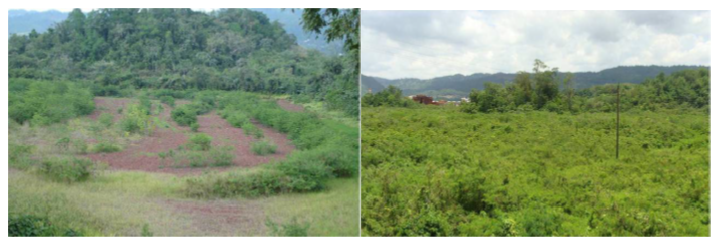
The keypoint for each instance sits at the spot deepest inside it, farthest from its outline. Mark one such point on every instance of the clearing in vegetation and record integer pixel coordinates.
(80, 173)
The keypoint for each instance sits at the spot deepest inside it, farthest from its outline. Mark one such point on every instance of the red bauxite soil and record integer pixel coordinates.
(109, 105)
(289, 106)
(142, 154)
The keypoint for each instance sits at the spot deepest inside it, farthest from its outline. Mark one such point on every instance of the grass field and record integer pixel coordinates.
(121, 203)
(439, 171)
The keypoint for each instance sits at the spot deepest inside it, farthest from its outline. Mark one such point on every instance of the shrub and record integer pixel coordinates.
(46, 102)
(303, 174)
(63, 143)
(252, 130)
(184, 115)
(222, 156)
(68, 169)
(238, 119)
(80, 146)
(170, 101)
(34, 226)
(136, 120)
(105, 147)
(263, 147)
(146, 231)
(20, 155)
(200, 141)
(194, 126)
(105, 120)
(291, 229)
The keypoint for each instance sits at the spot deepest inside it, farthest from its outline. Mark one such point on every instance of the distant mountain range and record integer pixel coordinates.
(455, 86)
(370, 84)
(291, 23)
(23, 21)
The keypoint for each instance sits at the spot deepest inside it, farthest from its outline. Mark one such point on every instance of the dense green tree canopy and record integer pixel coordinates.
(228, 49)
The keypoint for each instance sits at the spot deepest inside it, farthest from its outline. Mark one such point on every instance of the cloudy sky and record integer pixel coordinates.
(427, 44)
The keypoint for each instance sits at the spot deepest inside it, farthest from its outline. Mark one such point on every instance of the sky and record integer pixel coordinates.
(428, 44)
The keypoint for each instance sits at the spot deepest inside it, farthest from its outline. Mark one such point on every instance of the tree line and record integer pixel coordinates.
(546, 89)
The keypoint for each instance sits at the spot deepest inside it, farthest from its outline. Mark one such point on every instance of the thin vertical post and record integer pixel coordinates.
(617, 125)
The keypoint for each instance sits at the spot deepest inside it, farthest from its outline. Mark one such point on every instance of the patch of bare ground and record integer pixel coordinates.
(141, 155)
(109, 105)
(225, 134)
(216, 217)
(289, 106)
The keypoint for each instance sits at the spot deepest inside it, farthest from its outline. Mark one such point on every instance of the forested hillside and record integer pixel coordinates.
(232, 49)
(462, 85)
(369, 84)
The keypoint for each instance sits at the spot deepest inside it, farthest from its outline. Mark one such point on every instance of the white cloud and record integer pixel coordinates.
(426, 44)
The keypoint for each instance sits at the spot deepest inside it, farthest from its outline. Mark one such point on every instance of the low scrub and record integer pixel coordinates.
(34, 226)
(263, 147)
(68, 169)
(290, 229)
(297, 173)
(104, 147)
(200, 141)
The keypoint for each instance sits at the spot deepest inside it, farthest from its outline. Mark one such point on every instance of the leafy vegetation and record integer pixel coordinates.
(292, 229)
(122, 50)
(68, 169)
(541, 90)
(43, 103)
(326, 149)
(263, 147)
(453, 87)
(537, 170)
(33, 226)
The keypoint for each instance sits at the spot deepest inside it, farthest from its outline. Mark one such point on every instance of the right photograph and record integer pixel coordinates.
(535, 123)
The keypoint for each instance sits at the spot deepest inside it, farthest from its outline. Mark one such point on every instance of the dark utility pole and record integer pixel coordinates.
(617, 125)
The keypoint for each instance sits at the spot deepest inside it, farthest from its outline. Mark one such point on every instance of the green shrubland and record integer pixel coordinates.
(46, 102)
(437, 171)
(326, 149)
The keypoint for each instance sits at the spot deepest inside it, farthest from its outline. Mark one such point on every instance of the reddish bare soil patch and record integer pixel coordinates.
(225, 134)
(219, 217)
(289, 106)
(109, 105)
(142, 154)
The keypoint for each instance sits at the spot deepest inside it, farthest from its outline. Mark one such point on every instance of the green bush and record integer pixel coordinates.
(295, 174)
(263, 147)
(194, 126)
(291, 229)
(79, 146)
(146, 231)
(20, 155)
(170, 101)
(252, 130)
(47, 102)
(184, 115)
(68, 169)
(106, 120)
(34, 226)
(136, 119)
(105, 147)
(200, 141)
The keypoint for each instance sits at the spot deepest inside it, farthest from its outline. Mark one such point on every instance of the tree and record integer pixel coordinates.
(569, 87)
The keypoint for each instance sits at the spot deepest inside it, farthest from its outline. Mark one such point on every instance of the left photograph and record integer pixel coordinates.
(183, 122)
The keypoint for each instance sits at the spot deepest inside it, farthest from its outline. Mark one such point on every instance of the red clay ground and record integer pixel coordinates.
(218, 217)
(142, 154)
(289, 106)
